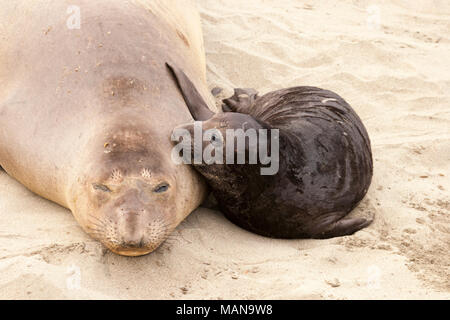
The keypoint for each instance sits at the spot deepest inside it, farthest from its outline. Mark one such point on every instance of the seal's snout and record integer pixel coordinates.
(133, 243)
(139, 243)
(139, 234)
(134, 229)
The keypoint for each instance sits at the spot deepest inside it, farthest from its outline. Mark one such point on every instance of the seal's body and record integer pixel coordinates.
(86, 112)
(325, 162)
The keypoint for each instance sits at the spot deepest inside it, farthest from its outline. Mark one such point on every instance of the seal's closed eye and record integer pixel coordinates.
(161, 188)
(101, 187)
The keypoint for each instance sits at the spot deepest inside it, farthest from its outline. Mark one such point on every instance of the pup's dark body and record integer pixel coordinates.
(325, 165)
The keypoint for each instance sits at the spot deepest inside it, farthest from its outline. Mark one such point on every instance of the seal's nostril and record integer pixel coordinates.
(134, 244)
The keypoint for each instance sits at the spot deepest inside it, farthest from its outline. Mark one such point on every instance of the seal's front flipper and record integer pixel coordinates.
(241, 101)
(216, 91)
(343, 227)
(197, 106)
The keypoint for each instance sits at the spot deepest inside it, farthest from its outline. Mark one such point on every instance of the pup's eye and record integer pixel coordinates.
(161, 188)
(215, 138)
(101, 187)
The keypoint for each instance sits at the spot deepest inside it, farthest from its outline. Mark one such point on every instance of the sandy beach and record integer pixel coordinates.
(390, 60)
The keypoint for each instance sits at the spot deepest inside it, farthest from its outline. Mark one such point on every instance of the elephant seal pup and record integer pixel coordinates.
(325, 161)
(86, 112)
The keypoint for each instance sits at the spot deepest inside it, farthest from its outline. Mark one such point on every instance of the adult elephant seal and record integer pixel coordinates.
(86, 112)
(324, 167)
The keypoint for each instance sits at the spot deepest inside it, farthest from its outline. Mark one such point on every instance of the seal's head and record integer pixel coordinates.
(217, 129)
(235, 145)
(128, 198)
(221, 132)
(124, 216)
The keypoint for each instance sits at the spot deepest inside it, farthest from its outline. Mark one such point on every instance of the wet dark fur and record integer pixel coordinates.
(325, 165)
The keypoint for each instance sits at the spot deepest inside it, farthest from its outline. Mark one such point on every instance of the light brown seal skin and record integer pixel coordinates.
(86, 115)
(325, 161)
